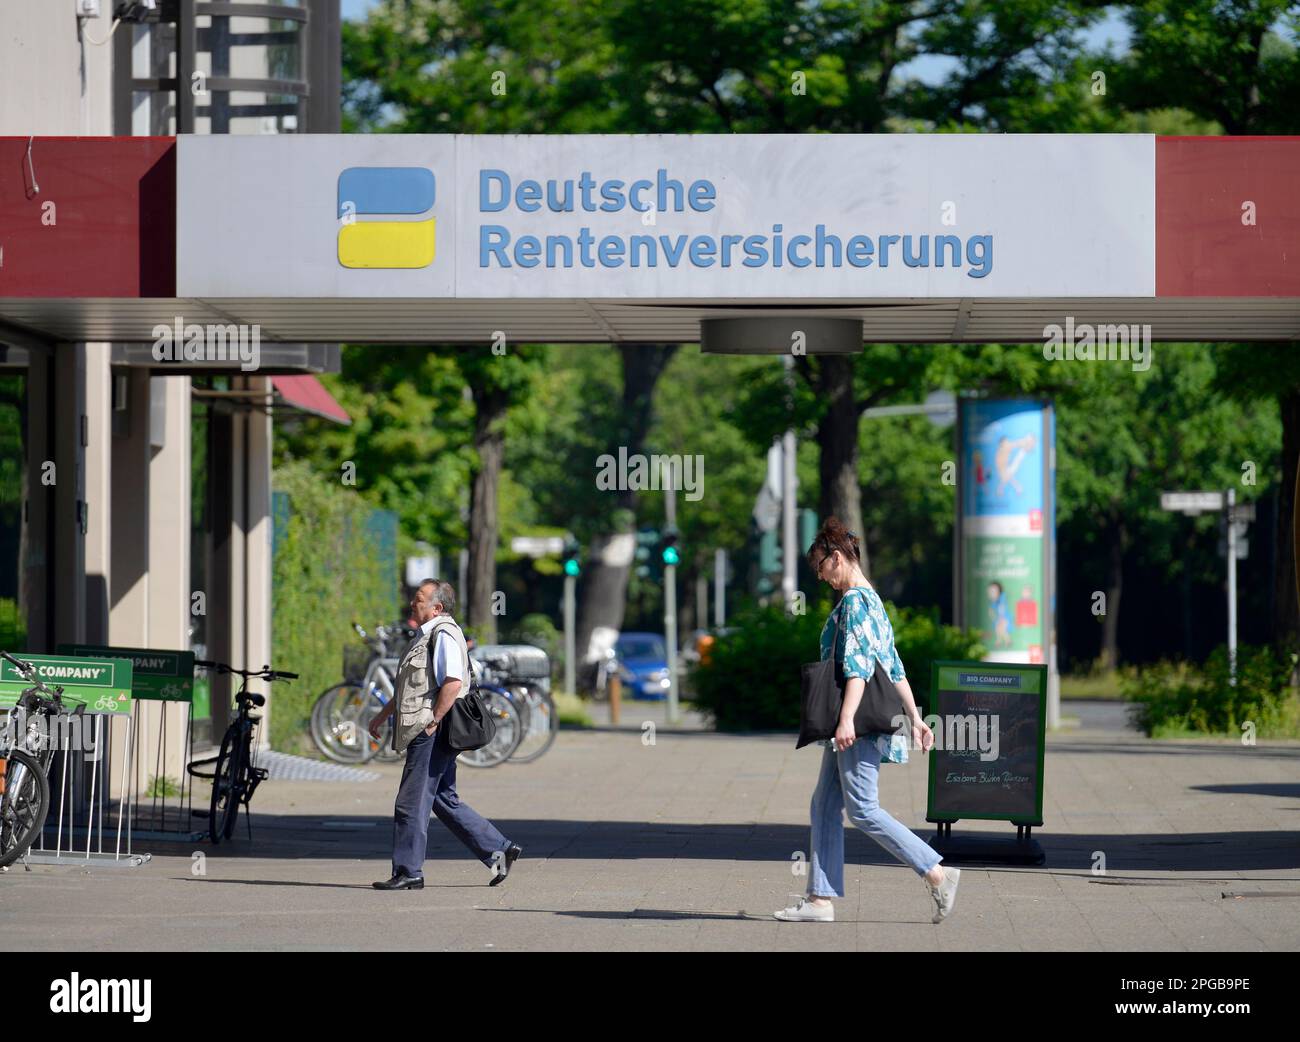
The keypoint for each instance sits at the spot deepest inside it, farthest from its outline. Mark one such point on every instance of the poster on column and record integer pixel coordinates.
(1006, 513)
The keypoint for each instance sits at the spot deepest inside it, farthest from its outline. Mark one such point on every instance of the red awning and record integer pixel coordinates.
(308, 394)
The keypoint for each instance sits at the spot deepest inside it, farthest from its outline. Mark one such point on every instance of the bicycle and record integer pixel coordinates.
(25, 760)
(341, 715)
(509, 730)
(236, 775)
(539, 720)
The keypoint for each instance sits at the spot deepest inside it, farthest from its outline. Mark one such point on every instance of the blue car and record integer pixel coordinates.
(643, 665)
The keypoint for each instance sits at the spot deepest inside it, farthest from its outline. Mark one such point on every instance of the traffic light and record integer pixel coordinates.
(669, 546)
(572, 566)
(647, 565)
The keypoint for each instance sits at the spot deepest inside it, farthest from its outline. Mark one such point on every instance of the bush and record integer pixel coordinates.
(752, 679)
(13, 627)
(333, 562)
(1181, 698)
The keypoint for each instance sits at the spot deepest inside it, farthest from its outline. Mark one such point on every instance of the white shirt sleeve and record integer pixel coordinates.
(447, 664)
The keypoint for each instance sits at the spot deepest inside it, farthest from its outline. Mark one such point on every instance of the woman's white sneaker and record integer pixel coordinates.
(806, 912)
(945, 894)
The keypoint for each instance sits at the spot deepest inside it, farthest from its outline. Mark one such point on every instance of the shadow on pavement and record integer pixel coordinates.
(303, 837)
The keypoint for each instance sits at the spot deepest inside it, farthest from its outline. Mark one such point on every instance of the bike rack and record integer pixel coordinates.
(78, 778)
(159, 677)
(66, 827)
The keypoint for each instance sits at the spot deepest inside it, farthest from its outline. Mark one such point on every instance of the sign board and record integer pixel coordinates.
(663, 217)
(158, 676)
(422, 566)
(1007, 526)
(1191, 502)
(994, 727)
(103, 684)
(537, 546)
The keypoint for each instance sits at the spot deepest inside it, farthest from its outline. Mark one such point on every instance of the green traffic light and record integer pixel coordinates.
(671, 556)
(571, 567)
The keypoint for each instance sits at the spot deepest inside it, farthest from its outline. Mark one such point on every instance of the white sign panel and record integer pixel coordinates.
(1191, 501)
(537, 545)
(664, 216)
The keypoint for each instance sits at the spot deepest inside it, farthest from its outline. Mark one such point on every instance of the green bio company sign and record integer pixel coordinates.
(157, 676)
(102, 684)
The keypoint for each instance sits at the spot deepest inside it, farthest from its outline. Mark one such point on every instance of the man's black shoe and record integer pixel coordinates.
(401, 881)
(512, 854)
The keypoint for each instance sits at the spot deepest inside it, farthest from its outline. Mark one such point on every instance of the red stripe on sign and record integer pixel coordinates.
(88, 217)
(1227, 217)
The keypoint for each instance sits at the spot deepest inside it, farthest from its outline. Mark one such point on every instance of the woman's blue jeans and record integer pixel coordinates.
(848, 781)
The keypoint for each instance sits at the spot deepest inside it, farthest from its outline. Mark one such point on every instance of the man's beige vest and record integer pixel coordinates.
(416, 684)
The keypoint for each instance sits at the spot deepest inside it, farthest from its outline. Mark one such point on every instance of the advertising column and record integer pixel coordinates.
(1005, 561)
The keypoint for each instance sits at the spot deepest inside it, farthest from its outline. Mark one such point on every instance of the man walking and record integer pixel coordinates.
(428, 684)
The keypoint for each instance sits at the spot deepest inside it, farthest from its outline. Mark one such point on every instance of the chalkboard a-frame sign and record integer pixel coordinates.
(994, 720)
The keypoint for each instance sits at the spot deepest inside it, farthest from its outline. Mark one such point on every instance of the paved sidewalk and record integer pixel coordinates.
(689, 844)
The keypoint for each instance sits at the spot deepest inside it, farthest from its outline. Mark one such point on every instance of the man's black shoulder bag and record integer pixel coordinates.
(469, 723)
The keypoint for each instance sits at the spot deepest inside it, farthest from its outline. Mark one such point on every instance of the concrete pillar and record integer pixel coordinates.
(70, 499)
(239, 601)
(169, 554)
(129, 537)
(128, 571)
(256, 525)
(99, 478)
(149, 548)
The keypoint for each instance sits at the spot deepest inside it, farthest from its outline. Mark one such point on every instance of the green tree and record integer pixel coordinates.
(409, 443)
(495, 380)
(1237, 65)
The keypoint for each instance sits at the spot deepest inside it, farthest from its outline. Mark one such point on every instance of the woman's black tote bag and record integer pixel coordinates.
(822, 693)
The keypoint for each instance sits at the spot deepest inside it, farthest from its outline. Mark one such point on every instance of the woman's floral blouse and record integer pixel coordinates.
(858, 632)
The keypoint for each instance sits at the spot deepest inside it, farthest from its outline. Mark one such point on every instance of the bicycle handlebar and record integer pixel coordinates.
(265, 673)
(30, 676)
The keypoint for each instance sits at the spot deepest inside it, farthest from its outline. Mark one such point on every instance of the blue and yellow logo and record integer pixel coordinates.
(369, 197)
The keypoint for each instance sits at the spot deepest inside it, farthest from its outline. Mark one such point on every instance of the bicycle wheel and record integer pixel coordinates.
(239, 784)
(339, 720)
(224, 808)
(23, 806)
(541, 723)
(508, 734)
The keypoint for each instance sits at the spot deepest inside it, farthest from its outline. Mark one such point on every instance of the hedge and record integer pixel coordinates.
(334, 560)
(1175, 699)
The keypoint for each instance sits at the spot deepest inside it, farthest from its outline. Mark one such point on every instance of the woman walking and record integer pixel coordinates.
(858, 633)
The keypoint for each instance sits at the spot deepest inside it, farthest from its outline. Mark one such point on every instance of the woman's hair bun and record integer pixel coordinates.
(833, 536)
